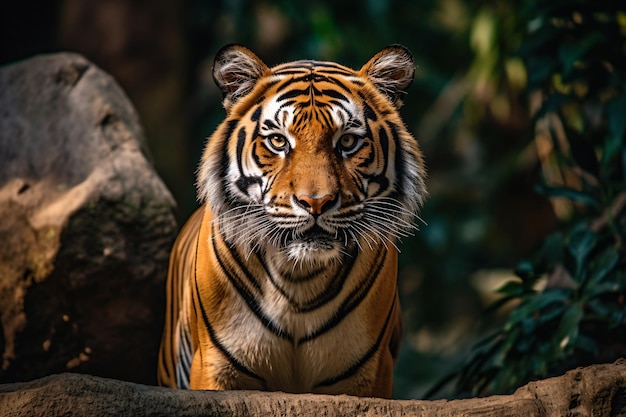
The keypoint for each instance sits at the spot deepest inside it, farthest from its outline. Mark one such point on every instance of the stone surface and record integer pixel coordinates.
(85, 226)
(597, 391)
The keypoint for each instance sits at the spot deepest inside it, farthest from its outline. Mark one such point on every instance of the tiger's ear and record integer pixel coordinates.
(236, 70)
(391, 70)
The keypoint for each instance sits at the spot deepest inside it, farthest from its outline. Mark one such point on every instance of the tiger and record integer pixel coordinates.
(285, 278)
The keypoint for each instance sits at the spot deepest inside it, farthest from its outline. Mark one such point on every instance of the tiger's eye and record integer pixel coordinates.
(278, 142)
(348, 142)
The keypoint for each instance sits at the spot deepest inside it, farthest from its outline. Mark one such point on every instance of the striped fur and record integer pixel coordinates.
(285, 278)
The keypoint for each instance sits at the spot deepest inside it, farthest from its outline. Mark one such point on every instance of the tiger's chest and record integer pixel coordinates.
(260, 327)
(304, 336)
(302, 352)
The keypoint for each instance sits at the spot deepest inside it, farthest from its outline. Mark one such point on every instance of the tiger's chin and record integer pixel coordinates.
(313, 251)
(306, 252)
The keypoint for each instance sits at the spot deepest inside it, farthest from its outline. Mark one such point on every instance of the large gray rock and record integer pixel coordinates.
(596, 391)
(85, 226)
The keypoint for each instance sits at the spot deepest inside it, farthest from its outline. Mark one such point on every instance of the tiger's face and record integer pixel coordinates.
(313, 161)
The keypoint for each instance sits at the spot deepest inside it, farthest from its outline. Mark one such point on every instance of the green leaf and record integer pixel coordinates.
(540, 69)
(587, 344)
(512, 287)
(488, 341)
(525, 270)
(552, 249)
(571, 53)
(534, 305)
(600, 308)
(528, 326)
(536, 41)
(616, 112)
(495, 306)
(569, 193)
(567, 332)
(511, 340)
(604, 263)
(581, 243)
(553, 103)
(549, 314)
(611, 147)
(615, 316)
(597, 289)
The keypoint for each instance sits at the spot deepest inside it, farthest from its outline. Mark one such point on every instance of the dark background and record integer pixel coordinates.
(467, 107)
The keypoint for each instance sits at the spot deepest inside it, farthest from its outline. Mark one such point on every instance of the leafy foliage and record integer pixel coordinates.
(570, 296)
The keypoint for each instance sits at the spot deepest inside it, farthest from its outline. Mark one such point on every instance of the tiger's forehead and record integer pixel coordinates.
(311, 95)
(313, 67)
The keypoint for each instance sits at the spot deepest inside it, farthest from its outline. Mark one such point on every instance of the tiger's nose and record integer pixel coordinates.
(316, 205)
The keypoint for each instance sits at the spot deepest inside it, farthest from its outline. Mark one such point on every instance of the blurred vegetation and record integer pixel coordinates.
(570, 296)
(510, 98)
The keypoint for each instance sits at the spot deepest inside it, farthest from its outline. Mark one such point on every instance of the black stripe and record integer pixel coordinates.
(334, 94)
(308, 65)
(256, 115)
(247, 296)
(381, 179)
(299, 66)
(342, 106)
(241, 141)
(319, 65)
(352, 301)
(337, 72)
(313, 274)
(292, 94)
(225, 159)
(243, 182)
(269, 124)
(250, 278)
(216, 342)
(186, 365)
(284, 84)
(400, 162)
(368, 111)
(257, 161)
(366, 162)
(356, 179)
(294, 71)
(340, 84)
(384, 143)
(321, 299)
(269, 183)
(174, 287)
(325, 115)
(312, 78)
(366, 357)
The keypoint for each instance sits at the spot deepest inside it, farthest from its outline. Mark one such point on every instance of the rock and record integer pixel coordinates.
(85, 226)
(598, 391)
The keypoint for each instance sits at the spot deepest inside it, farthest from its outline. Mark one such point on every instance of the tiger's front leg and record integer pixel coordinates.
(200, 377)
(209, 371)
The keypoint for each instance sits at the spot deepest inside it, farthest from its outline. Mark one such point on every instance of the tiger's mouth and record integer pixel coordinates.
(313, 239)
(315, 233)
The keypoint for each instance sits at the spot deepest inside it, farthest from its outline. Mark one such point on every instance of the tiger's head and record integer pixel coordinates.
(312, 161)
